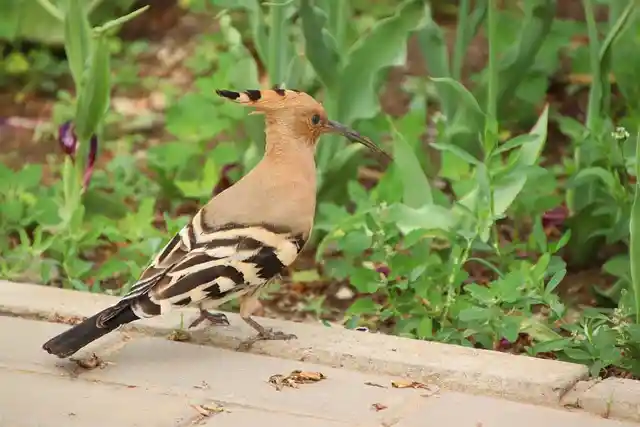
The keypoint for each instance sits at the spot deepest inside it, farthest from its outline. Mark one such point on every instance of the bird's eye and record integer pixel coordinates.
(315, 119)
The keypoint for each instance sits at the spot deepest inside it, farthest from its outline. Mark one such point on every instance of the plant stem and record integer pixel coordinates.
(53, 11)
(461, 45)
(277, 41)
(493, 70)
(634, 239)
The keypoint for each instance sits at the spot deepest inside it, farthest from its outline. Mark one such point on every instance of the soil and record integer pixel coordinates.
(171, 36)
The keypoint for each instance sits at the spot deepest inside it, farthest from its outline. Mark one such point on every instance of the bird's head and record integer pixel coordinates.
(297, 113)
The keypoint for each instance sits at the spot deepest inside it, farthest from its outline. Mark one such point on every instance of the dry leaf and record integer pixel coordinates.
(213, 408)
(407, 384)
(203, 385)
(201, 410)
(378, 406)
(179, 335)
(302, 376)
(208, 409)
(374, 384)
(294, 378)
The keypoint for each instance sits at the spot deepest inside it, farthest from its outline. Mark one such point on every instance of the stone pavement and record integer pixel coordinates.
(154, 382)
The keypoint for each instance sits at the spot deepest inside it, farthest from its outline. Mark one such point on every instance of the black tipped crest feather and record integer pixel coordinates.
(228, 94)
(253, 94)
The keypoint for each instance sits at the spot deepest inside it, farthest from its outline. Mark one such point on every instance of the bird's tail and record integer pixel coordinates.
(89, 330)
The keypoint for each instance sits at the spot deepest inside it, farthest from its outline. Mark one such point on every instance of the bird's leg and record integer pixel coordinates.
(215, 319)
(264, 334)
(248, 304)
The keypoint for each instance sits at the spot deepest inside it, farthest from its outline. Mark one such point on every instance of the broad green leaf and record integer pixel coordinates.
(78, 42)
(507, 189)
(517, 61)
(256, 21)
(321, 55)
(415, 185)
(555, 280)
(93, 100)
(467, 106)
(434, 48)
(514, 143)
(384, 46)
(279, 50)
(428, 217)
(457, 151)
(595, 172)
(363, 306)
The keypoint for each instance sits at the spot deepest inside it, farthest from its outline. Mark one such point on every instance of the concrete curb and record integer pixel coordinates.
(454, 367)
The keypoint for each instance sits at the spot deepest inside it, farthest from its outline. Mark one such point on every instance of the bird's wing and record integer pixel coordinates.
(209, 263)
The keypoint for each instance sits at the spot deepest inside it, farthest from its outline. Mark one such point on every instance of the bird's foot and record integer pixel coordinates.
(216, 319)
(266, 334)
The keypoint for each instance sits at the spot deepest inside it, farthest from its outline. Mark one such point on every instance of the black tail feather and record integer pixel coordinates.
(80, 335)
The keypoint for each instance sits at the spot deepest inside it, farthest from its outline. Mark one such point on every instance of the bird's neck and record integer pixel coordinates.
(292, 154)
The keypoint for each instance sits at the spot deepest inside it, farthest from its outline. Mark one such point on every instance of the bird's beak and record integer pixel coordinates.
(353, 136)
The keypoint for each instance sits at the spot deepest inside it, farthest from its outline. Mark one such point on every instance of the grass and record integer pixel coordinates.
(506, 222)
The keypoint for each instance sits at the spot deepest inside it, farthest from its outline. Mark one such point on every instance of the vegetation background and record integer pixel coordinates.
(507, 221)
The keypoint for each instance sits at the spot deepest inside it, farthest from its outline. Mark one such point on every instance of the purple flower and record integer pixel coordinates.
(384, 270)
(69, 143)
(67, 139)
(555, 217)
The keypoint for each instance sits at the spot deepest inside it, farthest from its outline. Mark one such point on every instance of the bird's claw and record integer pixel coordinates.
(267, 334)
(216, 319)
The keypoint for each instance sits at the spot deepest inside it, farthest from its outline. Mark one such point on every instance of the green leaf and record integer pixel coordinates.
(514, 143)
(475, 314)
(355, 242)
(595, 172)
(434, 47)
(365, 280)
(93, 100)
(256, 22)
(428, 217)
(425, 327)
(78, 43)
(516, 63)
(415, 185)
(508, 188)
(552, 345)
(322, 56)
(555, 280)
(467, 105)
(459, 152)
(384, 46)
(510, 328)
(577, 354)
(480, 293)
(363, 306)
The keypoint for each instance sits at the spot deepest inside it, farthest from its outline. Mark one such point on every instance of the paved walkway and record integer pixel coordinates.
(155, 382)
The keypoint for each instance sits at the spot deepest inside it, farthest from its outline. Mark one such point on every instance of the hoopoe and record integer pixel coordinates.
(242, 238)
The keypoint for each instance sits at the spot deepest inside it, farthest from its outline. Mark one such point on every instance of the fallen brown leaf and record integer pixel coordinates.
(295, 378)
(179, 335)
(378, 406)
(208, 409)
(407, 384)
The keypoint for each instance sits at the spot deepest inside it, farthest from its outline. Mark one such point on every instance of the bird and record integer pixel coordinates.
(240, 240)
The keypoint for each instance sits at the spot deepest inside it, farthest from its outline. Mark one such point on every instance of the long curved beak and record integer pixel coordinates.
(353, 136)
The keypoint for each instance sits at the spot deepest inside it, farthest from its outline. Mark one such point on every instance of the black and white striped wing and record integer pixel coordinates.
(201, 264)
